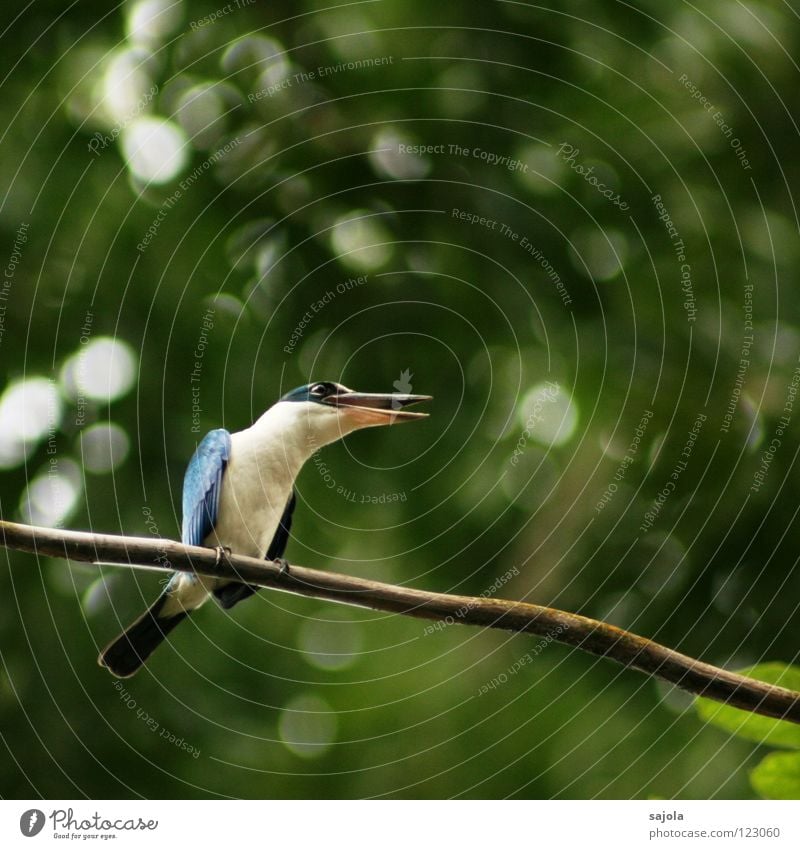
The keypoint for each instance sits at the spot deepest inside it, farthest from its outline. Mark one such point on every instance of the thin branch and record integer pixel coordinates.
(590, 635)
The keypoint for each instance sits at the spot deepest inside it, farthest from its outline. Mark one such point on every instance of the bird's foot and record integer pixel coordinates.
(284, 564)
(223, 553)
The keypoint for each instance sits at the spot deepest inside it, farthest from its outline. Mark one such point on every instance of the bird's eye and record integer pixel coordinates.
(319, 389)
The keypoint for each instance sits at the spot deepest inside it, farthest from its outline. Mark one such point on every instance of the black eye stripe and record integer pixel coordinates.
(314, 391)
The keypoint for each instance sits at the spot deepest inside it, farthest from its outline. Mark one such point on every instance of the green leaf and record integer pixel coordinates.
(751, 726)
(778, 776)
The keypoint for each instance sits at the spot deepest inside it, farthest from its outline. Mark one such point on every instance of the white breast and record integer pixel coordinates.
(255, 488)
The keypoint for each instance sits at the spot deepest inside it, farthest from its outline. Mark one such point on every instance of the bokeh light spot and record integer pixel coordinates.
(201, 112)
(155, 149)
(330, 645)
(253, 53)
(307, 726)
(126, 85)
(29, 410)
(545, 170)
(151, 21)
(390, 157)
(53, 494)
(103, 447)
(360, 241)
(548, 415)
(599, 255)
(103, 370)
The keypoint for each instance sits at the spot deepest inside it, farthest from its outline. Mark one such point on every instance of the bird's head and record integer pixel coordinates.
(328, 411)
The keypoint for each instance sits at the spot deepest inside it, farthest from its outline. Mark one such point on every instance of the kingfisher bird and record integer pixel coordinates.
(239, 496)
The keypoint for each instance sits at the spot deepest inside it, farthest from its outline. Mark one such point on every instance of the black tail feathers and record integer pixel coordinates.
(131, 649)
(230, 594)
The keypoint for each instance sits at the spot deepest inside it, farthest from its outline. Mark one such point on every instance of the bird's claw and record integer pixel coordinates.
(284, 564)
(223, 553)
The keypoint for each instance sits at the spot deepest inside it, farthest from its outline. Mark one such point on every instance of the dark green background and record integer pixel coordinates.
(478, 323)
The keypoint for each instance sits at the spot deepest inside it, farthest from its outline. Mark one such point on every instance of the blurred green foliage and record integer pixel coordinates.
(776, 777)
(759, 729)
(580, 218)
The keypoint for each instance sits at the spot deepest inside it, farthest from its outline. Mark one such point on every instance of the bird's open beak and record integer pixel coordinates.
(370, 408)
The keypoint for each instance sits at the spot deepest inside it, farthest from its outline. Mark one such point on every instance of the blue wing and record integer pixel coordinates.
(231, 594)
(202, 485)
